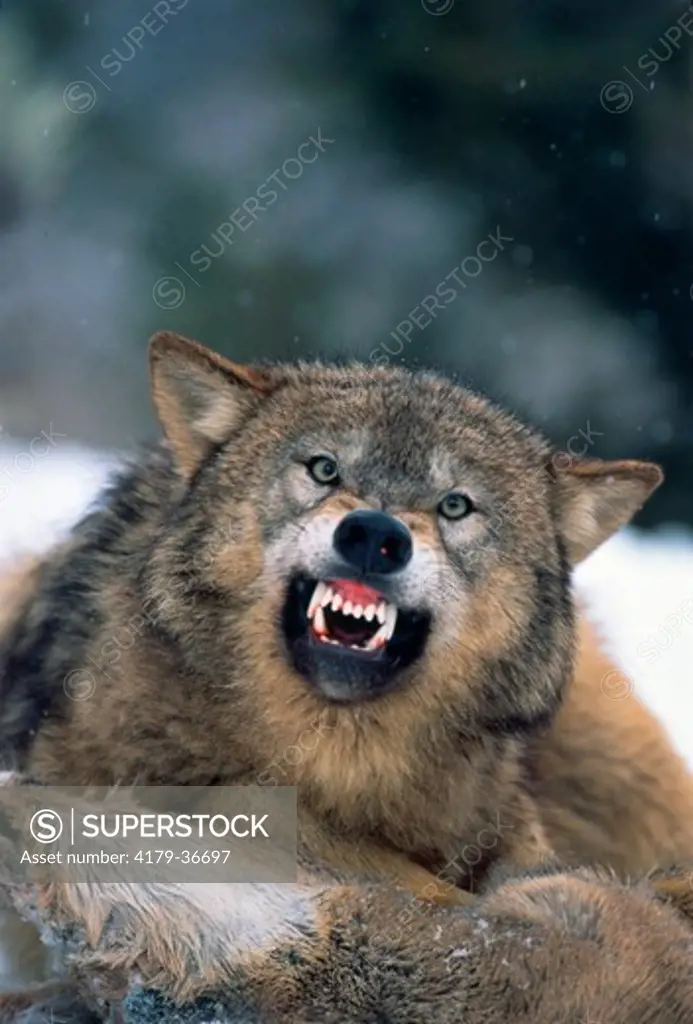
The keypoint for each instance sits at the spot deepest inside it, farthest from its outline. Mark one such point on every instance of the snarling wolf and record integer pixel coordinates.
(358, 582)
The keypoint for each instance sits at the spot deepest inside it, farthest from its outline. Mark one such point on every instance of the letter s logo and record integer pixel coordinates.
(46, 826)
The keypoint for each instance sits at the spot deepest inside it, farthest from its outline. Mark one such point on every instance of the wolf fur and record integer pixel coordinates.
(148, 648)
(546, 946)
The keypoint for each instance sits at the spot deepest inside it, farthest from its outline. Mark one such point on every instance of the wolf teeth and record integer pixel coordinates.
(324, 597)
(319, 622)
(316, 600)
(384, 634)
(390, 619)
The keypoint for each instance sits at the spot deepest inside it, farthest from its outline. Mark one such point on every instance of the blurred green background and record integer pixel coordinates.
(130, 132)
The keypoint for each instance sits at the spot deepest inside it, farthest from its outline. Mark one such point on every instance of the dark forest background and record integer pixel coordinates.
(566, 125)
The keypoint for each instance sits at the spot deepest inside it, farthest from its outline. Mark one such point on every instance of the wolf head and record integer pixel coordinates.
(371, 539)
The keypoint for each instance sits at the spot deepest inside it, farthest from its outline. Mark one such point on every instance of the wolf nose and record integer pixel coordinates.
(373, 542)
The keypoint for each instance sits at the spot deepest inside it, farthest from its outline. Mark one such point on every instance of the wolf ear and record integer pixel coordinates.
(596, 498)
(199, 395)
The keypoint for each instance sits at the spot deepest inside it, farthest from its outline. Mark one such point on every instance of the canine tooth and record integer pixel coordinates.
(369, 613)
(385, 632)
(378, 639)
(380, 612)
(327, 598)
(315, 600)
(346, 610)
(357, 611)
(390, 619)
(319, 621)
(337, 602)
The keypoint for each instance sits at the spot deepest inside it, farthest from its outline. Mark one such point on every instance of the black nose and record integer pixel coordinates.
(373, 542)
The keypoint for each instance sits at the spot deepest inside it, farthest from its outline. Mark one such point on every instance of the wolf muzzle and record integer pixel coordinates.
(373, 542)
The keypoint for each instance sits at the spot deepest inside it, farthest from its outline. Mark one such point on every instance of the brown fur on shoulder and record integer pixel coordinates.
(18, 583)
(610, 786)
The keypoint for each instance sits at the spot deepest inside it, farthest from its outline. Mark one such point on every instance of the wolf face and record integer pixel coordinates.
(376, 543)
(380, 534)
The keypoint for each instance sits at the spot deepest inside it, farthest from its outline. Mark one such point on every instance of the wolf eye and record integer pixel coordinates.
(455, 506)
(324, 469)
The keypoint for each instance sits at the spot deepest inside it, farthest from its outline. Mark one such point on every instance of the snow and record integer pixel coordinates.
(639, 587)
(40, 498)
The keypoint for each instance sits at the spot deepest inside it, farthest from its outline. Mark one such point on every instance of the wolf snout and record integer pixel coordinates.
(373, 542)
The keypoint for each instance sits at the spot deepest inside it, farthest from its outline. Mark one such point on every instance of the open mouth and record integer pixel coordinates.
(348, 638)
(349, 614)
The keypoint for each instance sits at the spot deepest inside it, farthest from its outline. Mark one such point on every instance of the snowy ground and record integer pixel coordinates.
(638, 586)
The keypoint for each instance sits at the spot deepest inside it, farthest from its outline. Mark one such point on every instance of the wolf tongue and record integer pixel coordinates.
(358, 635)
(347, 630)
